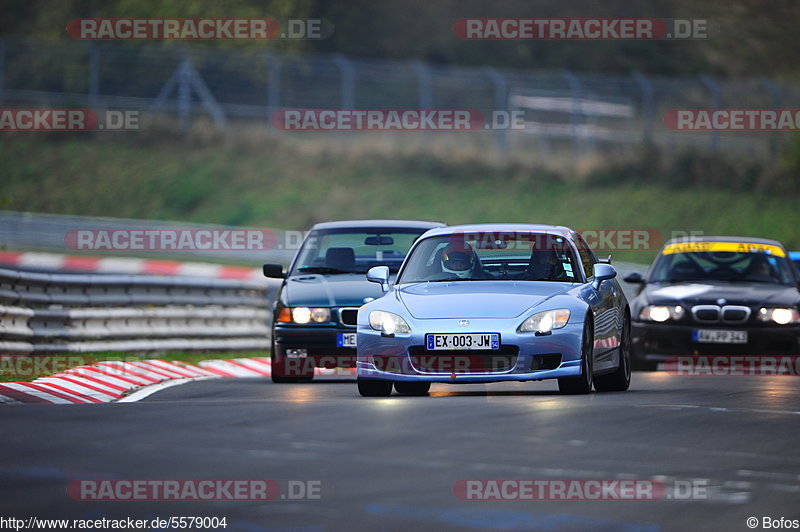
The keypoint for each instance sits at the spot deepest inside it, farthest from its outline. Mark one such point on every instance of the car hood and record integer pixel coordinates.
(476, 299)
(329, 290)
(705, 293)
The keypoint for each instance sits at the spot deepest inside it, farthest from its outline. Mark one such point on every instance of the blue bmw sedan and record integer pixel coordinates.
(495, 302)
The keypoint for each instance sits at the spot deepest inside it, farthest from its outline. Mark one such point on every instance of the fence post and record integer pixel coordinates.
(274, 85)
(575, 116)
(94, 74)
(647, 105)
(500, 104)
(424, 83)
(775, 99)
(345, 67)
(2, 71)
(184, 94)
(713, 88)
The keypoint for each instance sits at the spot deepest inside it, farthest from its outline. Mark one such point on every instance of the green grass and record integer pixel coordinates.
(24, 368)
(291, 182)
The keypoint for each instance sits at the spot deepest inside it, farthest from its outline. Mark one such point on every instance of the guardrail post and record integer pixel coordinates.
(94, 74)
(184, 94)
(274, 85)
(713, 88)
(347, 71)
(647, 106)
(500, 104)
(2, 71)
(424, 85)
(775, 101)
(575, 115)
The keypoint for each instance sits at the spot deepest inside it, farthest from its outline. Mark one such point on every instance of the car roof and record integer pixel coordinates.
(389, 224)
(743, 239)
(559, 230)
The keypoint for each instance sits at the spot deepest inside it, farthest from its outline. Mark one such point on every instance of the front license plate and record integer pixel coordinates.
(715, 336)
(463, 342)
(346, 339)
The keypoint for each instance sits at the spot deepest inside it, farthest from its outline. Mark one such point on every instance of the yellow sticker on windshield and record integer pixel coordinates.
(736, 247)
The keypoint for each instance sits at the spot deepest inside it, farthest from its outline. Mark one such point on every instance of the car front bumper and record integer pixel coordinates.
(656, 342)
(521, 357)
(320, 344)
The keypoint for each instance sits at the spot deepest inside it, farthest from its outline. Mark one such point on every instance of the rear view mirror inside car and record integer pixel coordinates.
(379, 240)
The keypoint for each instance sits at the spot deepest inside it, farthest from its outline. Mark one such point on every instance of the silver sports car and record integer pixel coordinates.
(495, 302)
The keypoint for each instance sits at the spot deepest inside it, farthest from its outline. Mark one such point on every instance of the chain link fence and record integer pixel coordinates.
(581, 112)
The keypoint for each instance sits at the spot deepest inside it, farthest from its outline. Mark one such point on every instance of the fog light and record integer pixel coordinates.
(296, 353)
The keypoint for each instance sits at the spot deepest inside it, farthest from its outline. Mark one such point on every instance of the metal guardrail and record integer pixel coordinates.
(46, 313)
(42, 231)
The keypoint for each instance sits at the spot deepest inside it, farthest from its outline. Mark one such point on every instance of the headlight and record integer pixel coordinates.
(387, 322)
(545, 321)
(303, 315)
(661, 313)
(781, 316)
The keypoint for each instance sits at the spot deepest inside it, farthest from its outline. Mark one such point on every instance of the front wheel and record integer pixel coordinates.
(620, 380)
(583, 383)
(298, 370)
(374, 388)
(412, 388)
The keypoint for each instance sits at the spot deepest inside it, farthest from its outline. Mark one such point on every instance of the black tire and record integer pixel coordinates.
(583, 383)
(620, 380)
(412, 388)
(374, 388)
(278, 371)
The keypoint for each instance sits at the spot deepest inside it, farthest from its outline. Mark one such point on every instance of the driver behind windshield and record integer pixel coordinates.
(760, 269)
(461, 262)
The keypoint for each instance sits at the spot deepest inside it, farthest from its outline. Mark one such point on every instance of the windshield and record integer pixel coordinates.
(354, 250)
(754, 267)
(487, 256)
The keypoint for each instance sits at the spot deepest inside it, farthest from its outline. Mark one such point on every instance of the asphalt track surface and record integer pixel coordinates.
(392, 463)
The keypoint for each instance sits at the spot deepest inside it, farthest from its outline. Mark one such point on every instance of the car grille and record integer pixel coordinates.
(348, 316)
(457, 361)
(717, 314)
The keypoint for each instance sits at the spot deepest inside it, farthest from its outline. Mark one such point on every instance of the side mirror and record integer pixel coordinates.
(603, 272)
(380, 275)
(634, 278)
(273, 270)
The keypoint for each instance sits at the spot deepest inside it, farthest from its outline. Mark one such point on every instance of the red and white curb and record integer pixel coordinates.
(116, 381)
(57, 262)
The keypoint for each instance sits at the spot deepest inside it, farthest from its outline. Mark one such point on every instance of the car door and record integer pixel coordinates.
(607, 317)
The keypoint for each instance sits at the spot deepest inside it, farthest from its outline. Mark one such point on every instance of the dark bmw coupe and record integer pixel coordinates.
(716, 296)
(314, 320)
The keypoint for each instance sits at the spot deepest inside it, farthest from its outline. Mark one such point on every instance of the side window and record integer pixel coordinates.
(587, 257)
